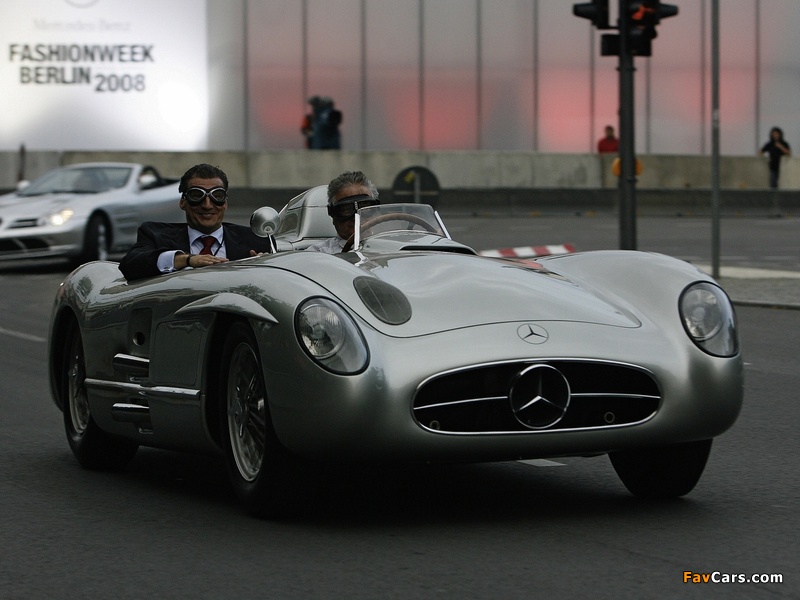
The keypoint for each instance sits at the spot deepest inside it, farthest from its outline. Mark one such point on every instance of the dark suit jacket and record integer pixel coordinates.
(154, 238)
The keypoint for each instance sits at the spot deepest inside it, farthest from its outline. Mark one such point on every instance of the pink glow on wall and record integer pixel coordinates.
(450, 118)
(276, 110)
(397, 118)
(564, 111)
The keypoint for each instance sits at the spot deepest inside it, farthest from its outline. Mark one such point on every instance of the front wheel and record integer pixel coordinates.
(261, 469)
(665, 472)
(96, 240)
(94, 448)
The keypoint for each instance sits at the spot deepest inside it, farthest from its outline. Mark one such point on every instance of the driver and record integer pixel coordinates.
(346, 194)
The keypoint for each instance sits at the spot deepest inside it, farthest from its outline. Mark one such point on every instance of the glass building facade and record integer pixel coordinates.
(511, 75)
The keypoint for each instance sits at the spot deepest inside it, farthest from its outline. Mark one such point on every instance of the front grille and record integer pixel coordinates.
(22, 244)
(23, 223)
(476, 399)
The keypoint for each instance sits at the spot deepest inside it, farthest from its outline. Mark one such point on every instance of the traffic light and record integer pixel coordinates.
(596, 12)
(642, 18)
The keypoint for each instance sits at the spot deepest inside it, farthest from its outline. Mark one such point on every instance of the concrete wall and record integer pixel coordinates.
(455, 170)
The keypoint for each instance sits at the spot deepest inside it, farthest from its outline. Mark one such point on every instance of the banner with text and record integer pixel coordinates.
(104, 75)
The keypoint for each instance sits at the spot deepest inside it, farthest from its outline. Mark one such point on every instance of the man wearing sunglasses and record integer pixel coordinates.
(346, 194)
(203, 240)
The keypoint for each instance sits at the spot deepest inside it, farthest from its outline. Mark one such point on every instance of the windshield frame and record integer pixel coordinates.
(425, 212)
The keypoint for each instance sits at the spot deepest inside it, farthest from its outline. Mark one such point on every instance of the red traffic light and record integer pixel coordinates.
(642, 18)
(650, 12)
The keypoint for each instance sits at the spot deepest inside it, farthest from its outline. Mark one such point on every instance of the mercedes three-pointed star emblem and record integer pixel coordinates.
(532, 333)
(539, 396)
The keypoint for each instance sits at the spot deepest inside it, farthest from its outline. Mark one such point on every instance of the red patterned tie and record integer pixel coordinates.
(208, 241)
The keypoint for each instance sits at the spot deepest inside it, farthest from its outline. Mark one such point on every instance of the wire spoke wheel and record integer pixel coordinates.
(76, 389)
(93, 447)
(246, 402)
(263, 472)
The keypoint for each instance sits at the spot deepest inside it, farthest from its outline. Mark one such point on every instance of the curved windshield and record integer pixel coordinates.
(383, 218)
(81, 180)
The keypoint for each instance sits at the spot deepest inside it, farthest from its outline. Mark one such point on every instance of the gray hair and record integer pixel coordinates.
(347, 179)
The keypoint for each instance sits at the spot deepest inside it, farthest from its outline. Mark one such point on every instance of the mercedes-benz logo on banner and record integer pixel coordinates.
(81, 3)
(539, 396)
(532, 333)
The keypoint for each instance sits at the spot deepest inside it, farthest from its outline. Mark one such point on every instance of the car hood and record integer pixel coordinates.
(14, 206)
(450, 291)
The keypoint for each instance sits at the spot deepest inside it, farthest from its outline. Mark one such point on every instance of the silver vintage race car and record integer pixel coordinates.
(407, 347)
(84, 211)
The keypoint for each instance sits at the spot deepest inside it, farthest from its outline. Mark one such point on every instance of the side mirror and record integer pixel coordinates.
(147, 180)
(265, 221)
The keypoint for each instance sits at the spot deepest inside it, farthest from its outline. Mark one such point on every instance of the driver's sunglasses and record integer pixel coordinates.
(345, 209)
(195, 196)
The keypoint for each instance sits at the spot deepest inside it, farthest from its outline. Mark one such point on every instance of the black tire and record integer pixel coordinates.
(666, 472)
(96, 240)
(95, 449)
(262, 470)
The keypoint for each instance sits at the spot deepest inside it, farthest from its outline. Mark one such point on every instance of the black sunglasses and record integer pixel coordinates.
(195, 196)
(346, 208)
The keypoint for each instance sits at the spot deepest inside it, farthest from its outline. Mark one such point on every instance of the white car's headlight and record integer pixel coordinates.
(57, 219)
(709, 319)
(330, 337)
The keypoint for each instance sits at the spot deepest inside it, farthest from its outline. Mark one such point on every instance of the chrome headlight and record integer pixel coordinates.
(58, 218)
(709, 319)
(330, 337)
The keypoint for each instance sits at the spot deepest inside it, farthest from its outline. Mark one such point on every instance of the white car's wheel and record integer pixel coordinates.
(96, 242)
(94, 448)
(665, 472)
(259, 466)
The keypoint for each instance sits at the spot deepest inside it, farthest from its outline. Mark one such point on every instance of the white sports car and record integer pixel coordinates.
(84, 211)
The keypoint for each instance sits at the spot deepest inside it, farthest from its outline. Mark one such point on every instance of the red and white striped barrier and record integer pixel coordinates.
(528, 251)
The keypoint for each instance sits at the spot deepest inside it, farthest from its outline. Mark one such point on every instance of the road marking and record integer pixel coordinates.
(22, 336)
(541, 462)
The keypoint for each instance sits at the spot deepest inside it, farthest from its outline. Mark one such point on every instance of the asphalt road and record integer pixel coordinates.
(770, 243)
(169, 526)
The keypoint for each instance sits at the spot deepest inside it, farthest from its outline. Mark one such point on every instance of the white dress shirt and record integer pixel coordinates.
(332, 245)
(166, 260)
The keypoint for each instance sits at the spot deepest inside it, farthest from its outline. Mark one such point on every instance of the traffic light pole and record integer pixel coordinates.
(627, 178)
(636, 23)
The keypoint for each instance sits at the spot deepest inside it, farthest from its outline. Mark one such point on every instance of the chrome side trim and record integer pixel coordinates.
(147, 392)
(130, 413)
(131, 364)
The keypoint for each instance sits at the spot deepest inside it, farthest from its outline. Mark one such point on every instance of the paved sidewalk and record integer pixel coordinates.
(760, 287)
